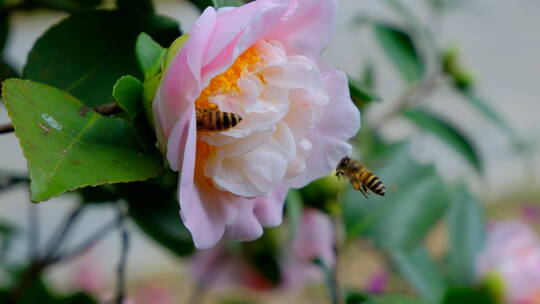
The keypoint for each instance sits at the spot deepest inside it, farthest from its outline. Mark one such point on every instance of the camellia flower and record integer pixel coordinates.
(259, 61)
(223, 266)
(511, 259)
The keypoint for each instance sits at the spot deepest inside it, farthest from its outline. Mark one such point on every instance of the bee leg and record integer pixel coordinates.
(363, 190)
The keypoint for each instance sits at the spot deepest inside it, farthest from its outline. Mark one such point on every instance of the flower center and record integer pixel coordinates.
(227, 81)
(221, 84)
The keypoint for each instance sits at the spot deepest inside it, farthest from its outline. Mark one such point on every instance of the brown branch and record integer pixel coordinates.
(107, 110)
(410, 98)
(40, 264)
(6, 128)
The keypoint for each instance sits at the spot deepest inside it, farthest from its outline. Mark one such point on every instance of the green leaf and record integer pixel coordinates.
(355, 297)
(294, 208)
(98, 195)
(175, 47)
(4, 29)
(466, 233)
(361, 94)
(400, 49)
(468, 295)
(394, 299)
(127, 93)
(445, 131)
(201, 4)
(484, 108)
(36, 291)
(416, 200)
(6, 71)
(149, 55)
(153, 205)
(68, 147)
(85, 54)
(368, 76)
(417, 266)
(72, 6)
(224, 3)
(135, 6)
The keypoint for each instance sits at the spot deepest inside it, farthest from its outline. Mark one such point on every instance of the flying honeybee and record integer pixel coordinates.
(213, 120)
(360, 177)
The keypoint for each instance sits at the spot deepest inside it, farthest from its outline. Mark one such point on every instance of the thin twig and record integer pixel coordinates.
(62, 232)
(91, 241)
(107, 110)
(6, 128)
(122, 265)
(38, 264)
(410, 98)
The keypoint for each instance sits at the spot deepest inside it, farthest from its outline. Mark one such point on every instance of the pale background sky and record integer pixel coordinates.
(499, 41)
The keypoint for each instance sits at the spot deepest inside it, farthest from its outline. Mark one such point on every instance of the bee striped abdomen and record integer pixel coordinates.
(374, 184)
(214, 121)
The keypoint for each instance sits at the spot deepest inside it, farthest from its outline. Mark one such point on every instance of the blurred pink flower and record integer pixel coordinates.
(377, 282)
(220, 266)
(87, 276)
(260, 61)
(512, 255)
(531, 213)
(152, 293)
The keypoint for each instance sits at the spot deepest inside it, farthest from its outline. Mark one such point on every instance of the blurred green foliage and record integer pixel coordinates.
(102, 57)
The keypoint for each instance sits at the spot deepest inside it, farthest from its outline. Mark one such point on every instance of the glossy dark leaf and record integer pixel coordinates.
(468, 295)
(361, 94)
(6, 71)
(86, 54)
(356, 297)
(202, 4)
(36, 292)
(417, 266)
(135, 6)
(4, 29)
(466, 234)
(153, 205)
(400, 49)
(448, 133)
(72, 6)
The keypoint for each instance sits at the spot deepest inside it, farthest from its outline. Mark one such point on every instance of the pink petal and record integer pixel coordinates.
(181, 84)
(245, 227)
(238, 29)
(207, 213)
(315, 238)
(307, 27)
(339, 123)
(269, 208)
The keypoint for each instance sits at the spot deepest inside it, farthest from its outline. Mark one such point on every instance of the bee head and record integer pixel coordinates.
(343, 163)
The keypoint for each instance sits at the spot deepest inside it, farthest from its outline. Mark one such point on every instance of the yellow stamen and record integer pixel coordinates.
(227, 81)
